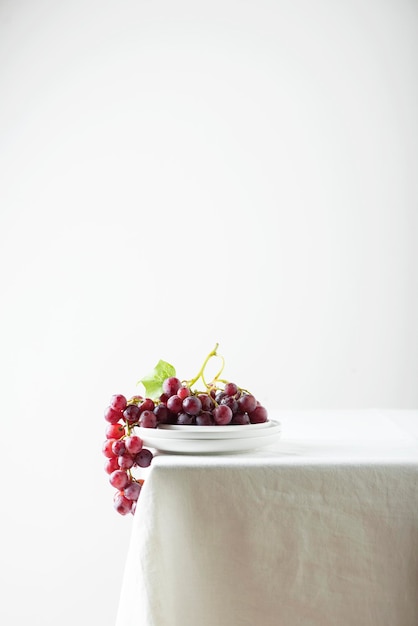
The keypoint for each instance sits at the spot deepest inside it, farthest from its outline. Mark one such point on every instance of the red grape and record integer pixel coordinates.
(148, 419)
(107, 448)
(132, 491)
(230, 389)
(133, 444)
(111, 465)
(125, 461)
(171, 385)
(118, 402)
(192, 405)
(174, 403)
(222, 415)
(122, 504)
(112, 415)
(183, 392)
(147, 405)
(119, 479)
(118, 447)
(115, 431)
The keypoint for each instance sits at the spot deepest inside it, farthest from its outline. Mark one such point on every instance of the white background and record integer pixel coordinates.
(176, 174)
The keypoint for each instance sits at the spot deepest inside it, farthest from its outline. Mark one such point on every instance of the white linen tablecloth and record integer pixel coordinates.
(319, 529)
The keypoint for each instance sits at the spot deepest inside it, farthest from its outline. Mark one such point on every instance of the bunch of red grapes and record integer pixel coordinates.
(178, 404)
(124, 451)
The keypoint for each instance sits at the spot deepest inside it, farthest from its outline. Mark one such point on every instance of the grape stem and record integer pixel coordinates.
(201, 374)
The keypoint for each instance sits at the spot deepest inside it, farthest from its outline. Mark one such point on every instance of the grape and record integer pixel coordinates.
(220, 403)
(119, 479)
(183, 392)
(206, 400)
(148, 419)
(122, 504)
(115, 431)
(133, 444)
(162, 413)
(247, 403)
(259, 415)
(174, 404)
(184, 419)
(222, 415)
(147, 405)
(230, 389)
(131, 414)
(240, 419)
(205, 419)
(231, 402)
(118, 402)
(107, 448)
(118, 447)
(111, 465)
(171, 386)
(144, 458)
(192, 405)
(132, 491)
(112, 415)
(125, 461)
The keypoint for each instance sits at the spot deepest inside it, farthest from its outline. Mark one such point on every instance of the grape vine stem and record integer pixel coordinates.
(201, 374)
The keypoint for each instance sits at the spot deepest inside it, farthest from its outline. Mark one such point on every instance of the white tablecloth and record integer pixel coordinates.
(320, 529)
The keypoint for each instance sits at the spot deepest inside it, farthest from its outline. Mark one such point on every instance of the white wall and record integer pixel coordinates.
(176, 174)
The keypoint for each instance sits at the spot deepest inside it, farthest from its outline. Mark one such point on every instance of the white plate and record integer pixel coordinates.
(215, 429)
(207, 432)
(221, 445)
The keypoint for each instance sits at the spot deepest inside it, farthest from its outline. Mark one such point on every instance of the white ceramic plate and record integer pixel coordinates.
(221, 445)
(208, 432)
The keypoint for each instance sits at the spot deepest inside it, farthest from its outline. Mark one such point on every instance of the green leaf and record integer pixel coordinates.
(153, 382)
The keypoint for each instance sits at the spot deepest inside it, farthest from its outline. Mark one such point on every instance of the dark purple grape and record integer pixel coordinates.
(131, 414)
(247, 403)
(192, 405)
(207, 401)
(205, 419)
(162, 413)
(222, 415)
(240, 419)
(259, 415)
(171, 385)
(231, 402)
(144, 458)
(184, 419)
